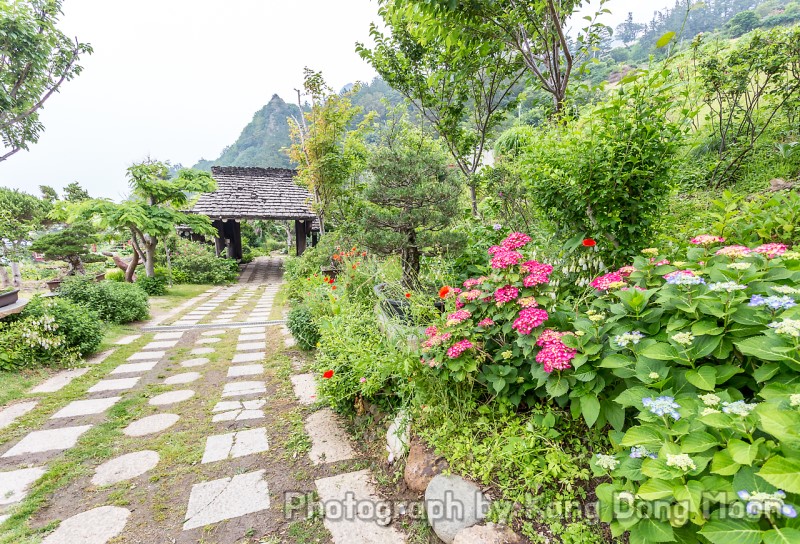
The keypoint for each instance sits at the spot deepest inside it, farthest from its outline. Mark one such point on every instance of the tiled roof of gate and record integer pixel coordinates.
(255, 193)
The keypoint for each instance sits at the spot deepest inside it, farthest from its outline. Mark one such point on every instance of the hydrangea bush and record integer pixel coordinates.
(494, 333)
(709, 467)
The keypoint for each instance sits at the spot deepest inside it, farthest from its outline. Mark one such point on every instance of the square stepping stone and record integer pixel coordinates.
(171, 397)
(49, 440)
(236, 389)
(250, 337)
(225, 405)
(253, 330)
(186, 323)
(251, 346)
(209, 340)
(360, 527)
(168, 335)
(305, 388)
(98, 358)
(9, 414)
(147, 356)
(133, 368)
(14, 485)
(237, 444)
(86, 407)
(186, 377)
(215, 332)
(59, 381)
(245, 370)
(120, 384)
(226, 498)
(202, 351)
(163, 344)
(125, 340)
(248, 357)
(329, 441)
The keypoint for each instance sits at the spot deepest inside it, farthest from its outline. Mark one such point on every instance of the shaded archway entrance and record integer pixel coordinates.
(248, 193)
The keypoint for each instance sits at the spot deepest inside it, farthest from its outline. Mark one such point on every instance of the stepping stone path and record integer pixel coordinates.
(229, 483)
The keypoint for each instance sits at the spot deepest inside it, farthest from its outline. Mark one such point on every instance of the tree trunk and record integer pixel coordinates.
(124, 265)
(410, 261)
(150, 256)
(16, 275)
(4, 279)
(130, 271)
(76, 266)
(473, 194)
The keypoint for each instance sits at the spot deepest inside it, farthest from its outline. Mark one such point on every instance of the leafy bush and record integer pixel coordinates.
(114, 302)
(200, 269)
(49, 331)
(300, 322)
(80, 327)
(715, 465)
(606, 175)
(115, 275)
(155, 286)
(759, 219)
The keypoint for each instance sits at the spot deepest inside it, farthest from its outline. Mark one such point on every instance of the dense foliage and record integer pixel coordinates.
(114, 302)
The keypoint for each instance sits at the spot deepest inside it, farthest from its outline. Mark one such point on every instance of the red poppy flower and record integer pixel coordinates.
(328, 374)
(444, 291)
(588, 242)
(408, 295)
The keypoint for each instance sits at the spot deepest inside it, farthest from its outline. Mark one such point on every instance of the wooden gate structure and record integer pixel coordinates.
(256, 193)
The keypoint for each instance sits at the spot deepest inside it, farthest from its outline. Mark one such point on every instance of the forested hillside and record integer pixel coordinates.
(263, 140)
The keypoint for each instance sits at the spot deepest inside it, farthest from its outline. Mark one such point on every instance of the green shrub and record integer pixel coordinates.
(114, 302)
(759, 219)
(81, 328)
(155, 286)
(300, 322)
(115, 275)
(50, 331)
(180, 276)
(200, 269)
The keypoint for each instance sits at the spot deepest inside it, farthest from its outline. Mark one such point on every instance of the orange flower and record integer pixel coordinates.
(354, 267)
(334, 287)
(444, 291)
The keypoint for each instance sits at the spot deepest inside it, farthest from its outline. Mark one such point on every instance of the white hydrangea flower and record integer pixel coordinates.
(681, 461)
(787, 327)
(728, 286)
(683, 338)
(607, 462)
(739, 408)
(709, 411)
(785, 290)
(710, 399)
(633, 337)
(739, 266)
(654, 375)
(794, 400)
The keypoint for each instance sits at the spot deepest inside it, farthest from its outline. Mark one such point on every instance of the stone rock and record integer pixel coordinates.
(125, 467)
(453, 504)
(397, 436)
(422, 466)
(487, 534)
(779, 184)
(151, 424)
(95, 526)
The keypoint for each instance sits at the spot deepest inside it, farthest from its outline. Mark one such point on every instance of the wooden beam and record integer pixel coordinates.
(300, 236)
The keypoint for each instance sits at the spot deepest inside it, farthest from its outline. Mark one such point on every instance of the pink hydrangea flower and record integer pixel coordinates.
(504, 259)
(474, 282)
(706, 240)
(659, 263)
(459, 304)
(515, 240)
(535, 278)
(626, 271)
(529, 319)
(771, 250)
(734, 252)
(455, 351)
(471, 295)
(488, 322)
(458, 317)
(535, 266)
(494, 250)
(528, 302)
(608, 281)
(506, 294)
(431, 331)
(434, 341)
(554, 355)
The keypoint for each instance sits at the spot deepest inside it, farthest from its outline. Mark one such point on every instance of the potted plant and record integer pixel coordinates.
(8, 296)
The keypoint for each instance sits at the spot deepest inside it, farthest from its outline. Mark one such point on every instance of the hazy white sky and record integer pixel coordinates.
(179, 79)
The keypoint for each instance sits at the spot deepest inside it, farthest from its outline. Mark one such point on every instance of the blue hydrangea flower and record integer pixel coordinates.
(662, 406)
(773, 303)
(637, 452)
(759, 503)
